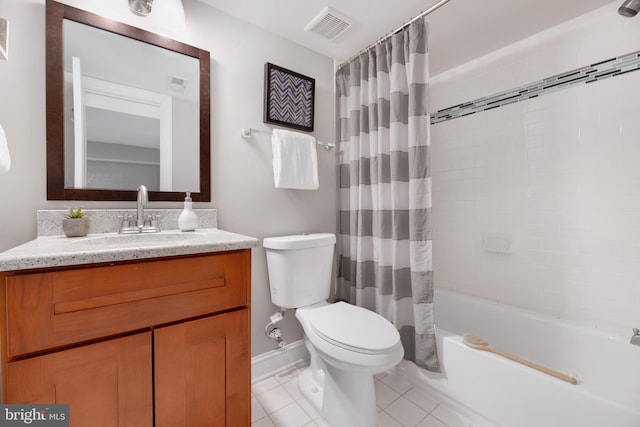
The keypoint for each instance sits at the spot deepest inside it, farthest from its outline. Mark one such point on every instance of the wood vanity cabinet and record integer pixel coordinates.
(160, 342)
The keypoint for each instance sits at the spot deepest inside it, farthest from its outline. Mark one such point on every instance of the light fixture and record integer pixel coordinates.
(141, 7)
(5, 159)
(166, 15)
(629, 8)
(4, 39)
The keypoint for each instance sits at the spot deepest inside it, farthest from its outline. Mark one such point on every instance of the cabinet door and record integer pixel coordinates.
(202, 372)
(105, 384)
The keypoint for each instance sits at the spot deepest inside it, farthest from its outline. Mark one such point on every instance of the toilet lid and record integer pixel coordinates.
(354, 328)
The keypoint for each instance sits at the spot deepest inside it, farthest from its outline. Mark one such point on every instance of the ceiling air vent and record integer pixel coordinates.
(177, 83)
(329, 23)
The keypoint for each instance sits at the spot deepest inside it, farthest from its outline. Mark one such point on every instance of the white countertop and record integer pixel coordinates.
(58, 251)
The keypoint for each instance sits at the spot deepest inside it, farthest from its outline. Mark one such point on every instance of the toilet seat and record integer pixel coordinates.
(354, 328)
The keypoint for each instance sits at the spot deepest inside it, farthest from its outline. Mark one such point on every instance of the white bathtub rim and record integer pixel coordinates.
(623, 401)
(437, 385)
(618, 387)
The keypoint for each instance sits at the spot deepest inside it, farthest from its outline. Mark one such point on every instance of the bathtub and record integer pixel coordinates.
(493, 391)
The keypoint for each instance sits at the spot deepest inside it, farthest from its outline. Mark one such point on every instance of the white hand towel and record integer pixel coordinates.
(295, 160)
(5, 160)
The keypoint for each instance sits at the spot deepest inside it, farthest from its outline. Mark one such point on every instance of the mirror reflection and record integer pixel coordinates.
(131, 113)
(125, 107)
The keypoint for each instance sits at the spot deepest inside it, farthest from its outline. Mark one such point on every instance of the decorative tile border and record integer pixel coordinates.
(588, 74)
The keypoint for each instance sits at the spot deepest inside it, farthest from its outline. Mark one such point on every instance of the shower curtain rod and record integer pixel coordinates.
(403, 26)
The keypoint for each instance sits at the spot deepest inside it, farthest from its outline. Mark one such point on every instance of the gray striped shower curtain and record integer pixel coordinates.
(384, 245)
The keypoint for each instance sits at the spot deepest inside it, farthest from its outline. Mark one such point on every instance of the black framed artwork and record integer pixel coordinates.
(288, 98)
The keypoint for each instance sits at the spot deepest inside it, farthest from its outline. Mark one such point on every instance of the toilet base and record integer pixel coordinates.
(343, 398)
(310, 389)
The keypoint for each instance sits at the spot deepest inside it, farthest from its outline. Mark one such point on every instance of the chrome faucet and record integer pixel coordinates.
(142, 223)
(143, 199)
(635, 339)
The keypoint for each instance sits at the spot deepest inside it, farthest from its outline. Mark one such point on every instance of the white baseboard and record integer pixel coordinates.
(272, 362)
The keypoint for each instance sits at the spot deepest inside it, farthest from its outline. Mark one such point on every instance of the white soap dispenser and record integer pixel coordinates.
(188, 221)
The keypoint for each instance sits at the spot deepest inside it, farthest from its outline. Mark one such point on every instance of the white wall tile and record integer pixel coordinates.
(559, 172)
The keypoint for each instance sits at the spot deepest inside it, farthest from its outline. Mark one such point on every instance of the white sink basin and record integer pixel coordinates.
(135, 240)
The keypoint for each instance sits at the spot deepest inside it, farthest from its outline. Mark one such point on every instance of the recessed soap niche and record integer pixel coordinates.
(497, 242)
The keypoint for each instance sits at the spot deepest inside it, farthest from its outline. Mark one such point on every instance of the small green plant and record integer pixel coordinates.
(75, 213)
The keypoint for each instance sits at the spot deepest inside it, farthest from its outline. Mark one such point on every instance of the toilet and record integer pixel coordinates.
(348, 345)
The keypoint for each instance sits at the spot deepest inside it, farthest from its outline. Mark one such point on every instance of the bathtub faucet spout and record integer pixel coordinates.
(635, 339)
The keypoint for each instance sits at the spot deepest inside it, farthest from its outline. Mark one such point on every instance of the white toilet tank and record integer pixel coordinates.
(299, 268)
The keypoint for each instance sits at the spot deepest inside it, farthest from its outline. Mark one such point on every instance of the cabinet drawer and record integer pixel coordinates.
(57, 308)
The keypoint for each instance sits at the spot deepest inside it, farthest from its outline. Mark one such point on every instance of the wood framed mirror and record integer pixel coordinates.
(124, 107)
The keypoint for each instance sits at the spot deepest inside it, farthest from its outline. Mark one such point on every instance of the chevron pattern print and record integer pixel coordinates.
(289, 98)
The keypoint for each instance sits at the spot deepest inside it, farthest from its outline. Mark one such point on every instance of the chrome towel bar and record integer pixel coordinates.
(246, 134)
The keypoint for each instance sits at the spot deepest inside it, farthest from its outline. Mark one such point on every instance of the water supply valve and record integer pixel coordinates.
(276, 334)
(273, 332)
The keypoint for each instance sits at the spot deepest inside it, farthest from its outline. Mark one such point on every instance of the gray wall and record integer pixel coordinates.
(242, 180)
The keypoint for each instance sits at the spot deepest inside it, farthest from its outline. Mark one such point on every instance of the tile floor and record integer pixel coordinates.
(276, 402)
